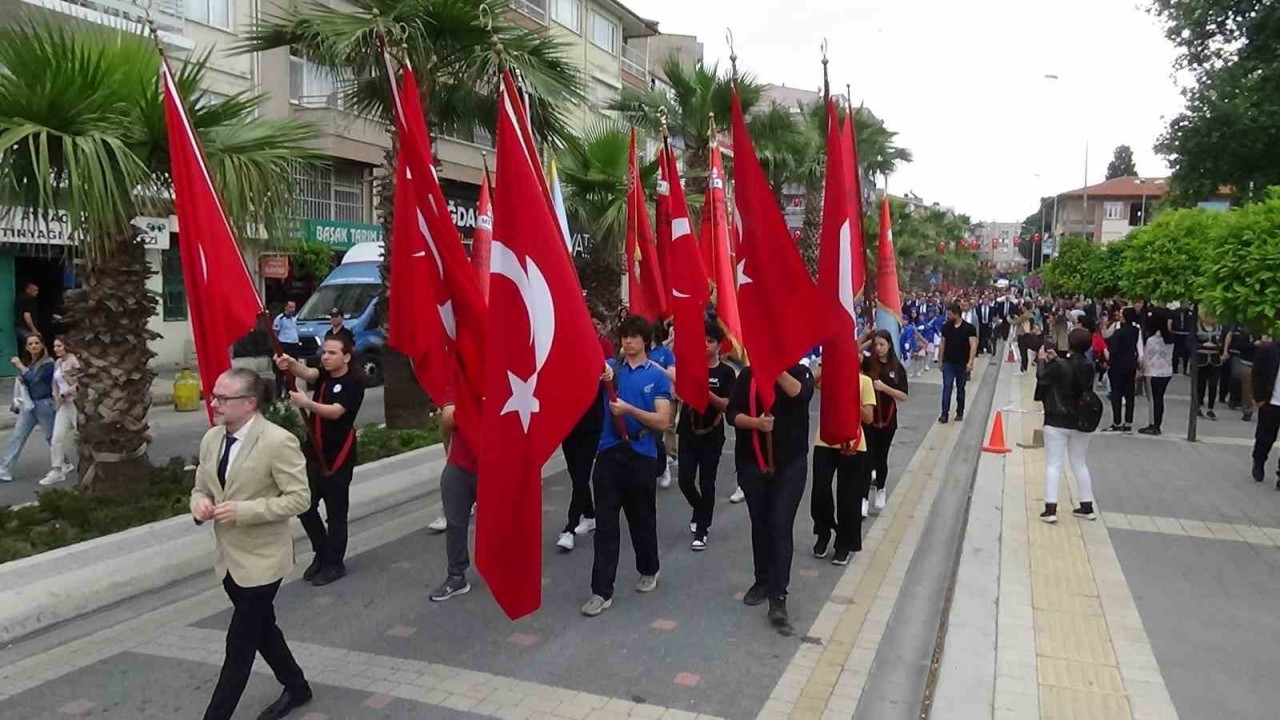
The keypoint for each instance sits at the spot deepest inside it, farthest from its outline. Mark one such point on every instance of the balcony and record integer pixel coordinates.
(122, 14)
(635, 62)
(535, 9)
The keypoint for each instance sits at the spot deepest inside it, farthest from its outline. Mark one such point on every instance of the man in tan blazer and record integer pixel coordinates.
(251, 481)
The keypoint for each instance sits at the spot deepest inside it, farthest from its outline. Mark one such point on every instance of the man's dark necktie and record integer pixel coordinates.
(225, 460)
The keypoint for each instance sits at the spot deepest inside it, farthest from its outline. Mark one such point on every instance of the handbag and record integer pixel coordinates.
(21, 398)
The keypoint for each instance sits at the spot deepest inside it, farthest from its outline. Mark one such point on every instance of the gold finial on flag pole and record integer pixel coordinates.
(733, 54)
(826, 81)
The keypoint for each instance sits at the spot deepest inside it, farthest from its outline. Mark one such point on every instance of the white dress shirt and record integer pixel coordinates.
(239, 435)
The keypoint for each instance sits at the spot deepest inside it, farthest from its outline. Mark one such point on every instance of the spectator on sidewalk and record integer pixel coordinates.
(1157, 367)
(1266, 396)
(62, 447)
(1207, 343)
(1241, 347)
(28, 315)
(286, 328)
(250, 482)
(1061, 384)
(1122, 358)
(959, 348)
(33, 403)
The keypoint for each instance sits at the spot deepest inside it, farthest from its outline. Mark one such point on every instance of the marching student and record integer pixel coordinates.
(890, 381)
(773, 497)
(700, 439)
(850, 467)
(458, 496)
(250, 482)
(337, 393)
(660, 352)
(579, 449)
(624, 475)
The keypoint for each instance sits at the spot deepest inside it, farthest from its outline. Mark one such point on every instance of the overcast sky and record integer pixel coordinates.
(963, 83)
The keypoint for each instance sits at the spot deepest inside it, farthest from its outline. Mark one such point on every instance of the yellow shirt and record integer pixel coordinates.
(868, 396)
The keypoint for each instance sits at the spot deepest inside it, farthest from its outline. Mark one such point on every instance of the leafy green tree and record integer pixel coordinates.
(82, 132)
(1226, 134)
(1122, 164)
(1105, 278)
(1241, 275)
(1068, 273)
(1164, 260)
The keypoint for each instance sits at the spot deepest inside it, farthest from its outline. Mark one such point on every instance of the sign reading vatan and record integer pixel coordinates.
(20, 226)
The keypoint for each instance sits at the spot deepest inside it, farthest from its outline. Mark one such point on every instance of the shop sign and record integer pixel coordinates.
(340, 235)
(275, 267)
(18, 225)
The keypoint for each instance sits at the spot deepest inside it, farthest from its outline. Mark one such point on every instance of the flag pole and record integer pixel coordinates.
(768, 465)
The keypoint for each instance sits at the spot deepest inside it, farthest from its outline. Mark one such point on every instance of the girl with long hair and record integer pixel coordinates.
(1207, 344)
(889, 378)
(62, 448)
(37, 408)
(1157, 366)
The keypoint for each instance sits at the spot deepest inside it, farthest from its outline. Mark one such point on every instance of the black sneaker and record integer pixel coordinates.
(450, 587)
(1149, 430)
(841, 558)
(822, 546)
(1085, 511)
(1259, 472)
(756, 595)
(778, 612)
(1199, 413)
(329, 574)
(1050, 514)
(1126, 428)
(315, 566)
(943, 418)
(1211, 415)
(959, 416)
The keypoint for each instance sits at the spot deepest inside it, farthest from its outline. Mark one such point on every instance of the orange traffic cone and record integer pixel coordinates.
(995, 443)
(1010, 358)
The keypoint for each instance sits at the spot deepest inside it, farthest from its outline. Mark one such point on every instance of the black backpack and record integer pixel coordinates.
(1088, 406)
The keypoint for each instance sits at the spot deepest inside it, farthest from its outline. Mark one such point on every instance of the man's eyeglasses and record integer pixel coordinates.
(222, 399)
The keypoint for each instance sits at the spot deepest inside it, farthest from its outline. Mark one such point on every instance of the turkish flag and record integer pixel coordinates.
(225, 309)
(645, 293)
(662, 215)
(841, 421)
(434, 245)
(853, 187)
(782, 314)
(481, 238)
(717, 232)
(538, 379)
(690, 294)
(888, 296)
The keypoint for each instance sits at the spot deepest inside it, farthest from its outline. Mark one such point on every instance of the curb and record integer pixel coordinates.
(898, 683)
(60, 585)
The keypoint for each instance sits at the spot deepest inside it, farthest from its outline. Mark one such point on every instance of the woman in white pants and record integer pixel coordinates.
(62, 449)
(1062, 380)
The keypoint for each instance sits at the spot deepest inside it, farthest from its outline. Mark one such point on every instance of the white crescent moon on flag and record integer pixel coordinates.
(536, 294)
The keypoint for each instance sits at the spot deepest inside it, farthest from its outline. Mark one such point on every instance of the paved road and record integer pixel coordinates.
(177, 435)
(690, 648)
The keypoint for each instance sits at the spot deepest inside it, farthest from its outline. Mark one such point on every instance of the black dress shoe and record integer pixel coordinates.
(288, 700)
(329, 574)
(1259, 472)
(756, 595)
(312, 569)
(778, 612)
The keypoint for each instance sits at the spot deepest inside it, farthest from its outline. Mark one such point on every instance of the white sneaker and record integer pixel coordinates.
(587, 525)
(665, 479)
(439, 525)
(473, 509)
(6, 476)
(693, 528)
(866, 507)
(737, 496)
(566, 541)
(882, 498)
(647, 583)
(53, 477)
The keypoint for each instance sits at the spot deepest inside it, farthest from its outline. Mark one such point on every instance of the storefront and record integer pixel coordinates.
(295, 275)
(40, 251)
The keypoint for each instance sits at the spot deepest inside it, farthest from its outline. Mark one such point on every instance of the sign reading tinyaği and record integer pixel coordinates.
(340, 235)
(21, 226)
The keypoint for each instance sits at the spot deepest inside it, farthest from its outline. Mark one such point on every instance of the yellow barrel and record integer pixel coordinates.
(186, 391)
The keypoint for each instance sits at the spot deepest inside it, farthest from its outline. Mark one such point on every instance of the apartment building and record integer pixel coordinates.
(336, 198)
(998, 245)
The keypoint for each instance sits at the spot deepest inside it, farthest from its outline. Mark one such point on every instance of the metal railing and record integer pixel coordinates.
(635, 61)
(536, 9)
(166, 13)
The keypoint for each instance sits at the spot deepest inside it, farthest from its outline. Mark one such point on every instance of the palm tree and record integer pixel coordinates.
(452, 47)
(698, 93)
(82, 132)
(594, 174)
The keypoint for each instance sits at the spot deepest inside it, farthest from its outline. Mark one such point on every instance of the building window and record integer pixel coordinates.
(311, 85)
(1114, 210)
(603, 32)
(210, 12)
(330, 191)
(173, 294)
(568, 13)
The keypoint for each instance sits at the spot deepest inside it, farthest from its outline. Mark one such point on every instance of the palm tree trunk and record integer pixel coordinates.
(404, 403)
(107, 320)
(812, 227)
